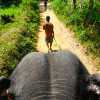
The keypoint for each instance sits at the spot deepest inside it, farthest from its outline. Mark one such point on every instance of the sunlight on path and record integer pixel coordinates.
(65, 39)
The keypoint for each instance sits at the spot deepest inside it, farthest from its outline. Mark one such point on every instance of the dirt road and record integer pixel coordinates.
(65, 39)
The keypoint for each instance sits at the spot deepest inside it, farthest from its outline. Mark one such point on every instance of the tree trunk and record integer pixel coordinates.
(90, 10)
(74, 3)
(81, 4)
(90, 13)
(91, 3)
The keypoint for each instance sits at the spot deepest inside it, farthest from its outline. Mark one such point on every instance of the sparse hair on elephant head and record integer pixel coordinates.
(53, 76)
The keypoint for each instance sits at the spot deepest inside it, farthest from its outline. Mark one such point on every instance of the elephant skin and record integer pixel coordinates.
(52, 76)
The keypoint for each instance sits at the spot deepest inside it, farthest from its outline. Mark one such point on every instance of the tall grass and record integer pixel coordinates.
(18, 37)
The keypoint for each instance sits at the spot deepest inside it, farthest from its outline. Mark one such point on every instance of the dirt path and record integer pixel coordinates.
(65, 38)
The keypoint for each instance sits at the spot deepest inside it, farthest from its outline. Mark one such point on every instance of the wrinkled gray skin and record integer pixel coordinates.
(52, 76)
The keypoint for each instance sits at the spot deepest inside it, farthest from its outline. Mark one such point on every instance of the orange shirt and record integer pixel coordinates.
(48, 27)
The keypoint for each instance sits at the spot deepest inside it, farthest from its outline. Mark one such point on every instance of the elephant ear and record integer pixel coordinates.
(53, 76)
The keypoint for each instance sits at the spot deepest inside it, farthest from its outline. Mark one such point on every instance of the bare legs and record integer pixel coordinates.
(49, 45)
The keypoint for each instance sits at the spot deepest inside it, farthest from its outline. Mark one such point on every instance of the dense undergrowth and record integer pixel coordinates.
(86, 28)
(19, 23)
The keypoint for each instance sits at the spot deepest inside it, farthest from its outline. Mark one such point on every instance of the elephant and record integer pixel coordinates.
(49, 76)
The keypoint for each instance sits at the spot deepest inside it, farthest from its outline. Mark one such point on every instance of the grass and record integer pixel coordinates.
(18, 37)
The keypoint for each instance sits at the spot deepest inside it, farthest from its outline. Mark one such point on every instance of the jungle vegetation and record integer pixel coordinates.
(83, 17)
(19, 21)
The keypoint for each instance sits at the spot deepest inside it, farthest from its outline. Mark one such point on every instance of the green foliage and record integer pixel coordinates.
(19, 37)
(10, 11)
(83, 36)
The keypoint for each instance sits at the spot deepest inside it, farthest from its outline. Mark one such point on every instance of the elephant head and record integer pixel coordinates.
(52, 76)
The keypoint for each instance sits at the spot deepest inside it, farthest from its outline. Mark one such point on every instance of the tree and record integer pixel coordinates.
(74, 3)
(91, 3)
(90, 9)
(90, 13)
(65, 0)
(81, 4)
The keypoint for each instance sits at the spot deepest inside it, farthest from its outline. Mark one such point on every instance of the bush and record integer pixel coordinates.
(83, 36)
